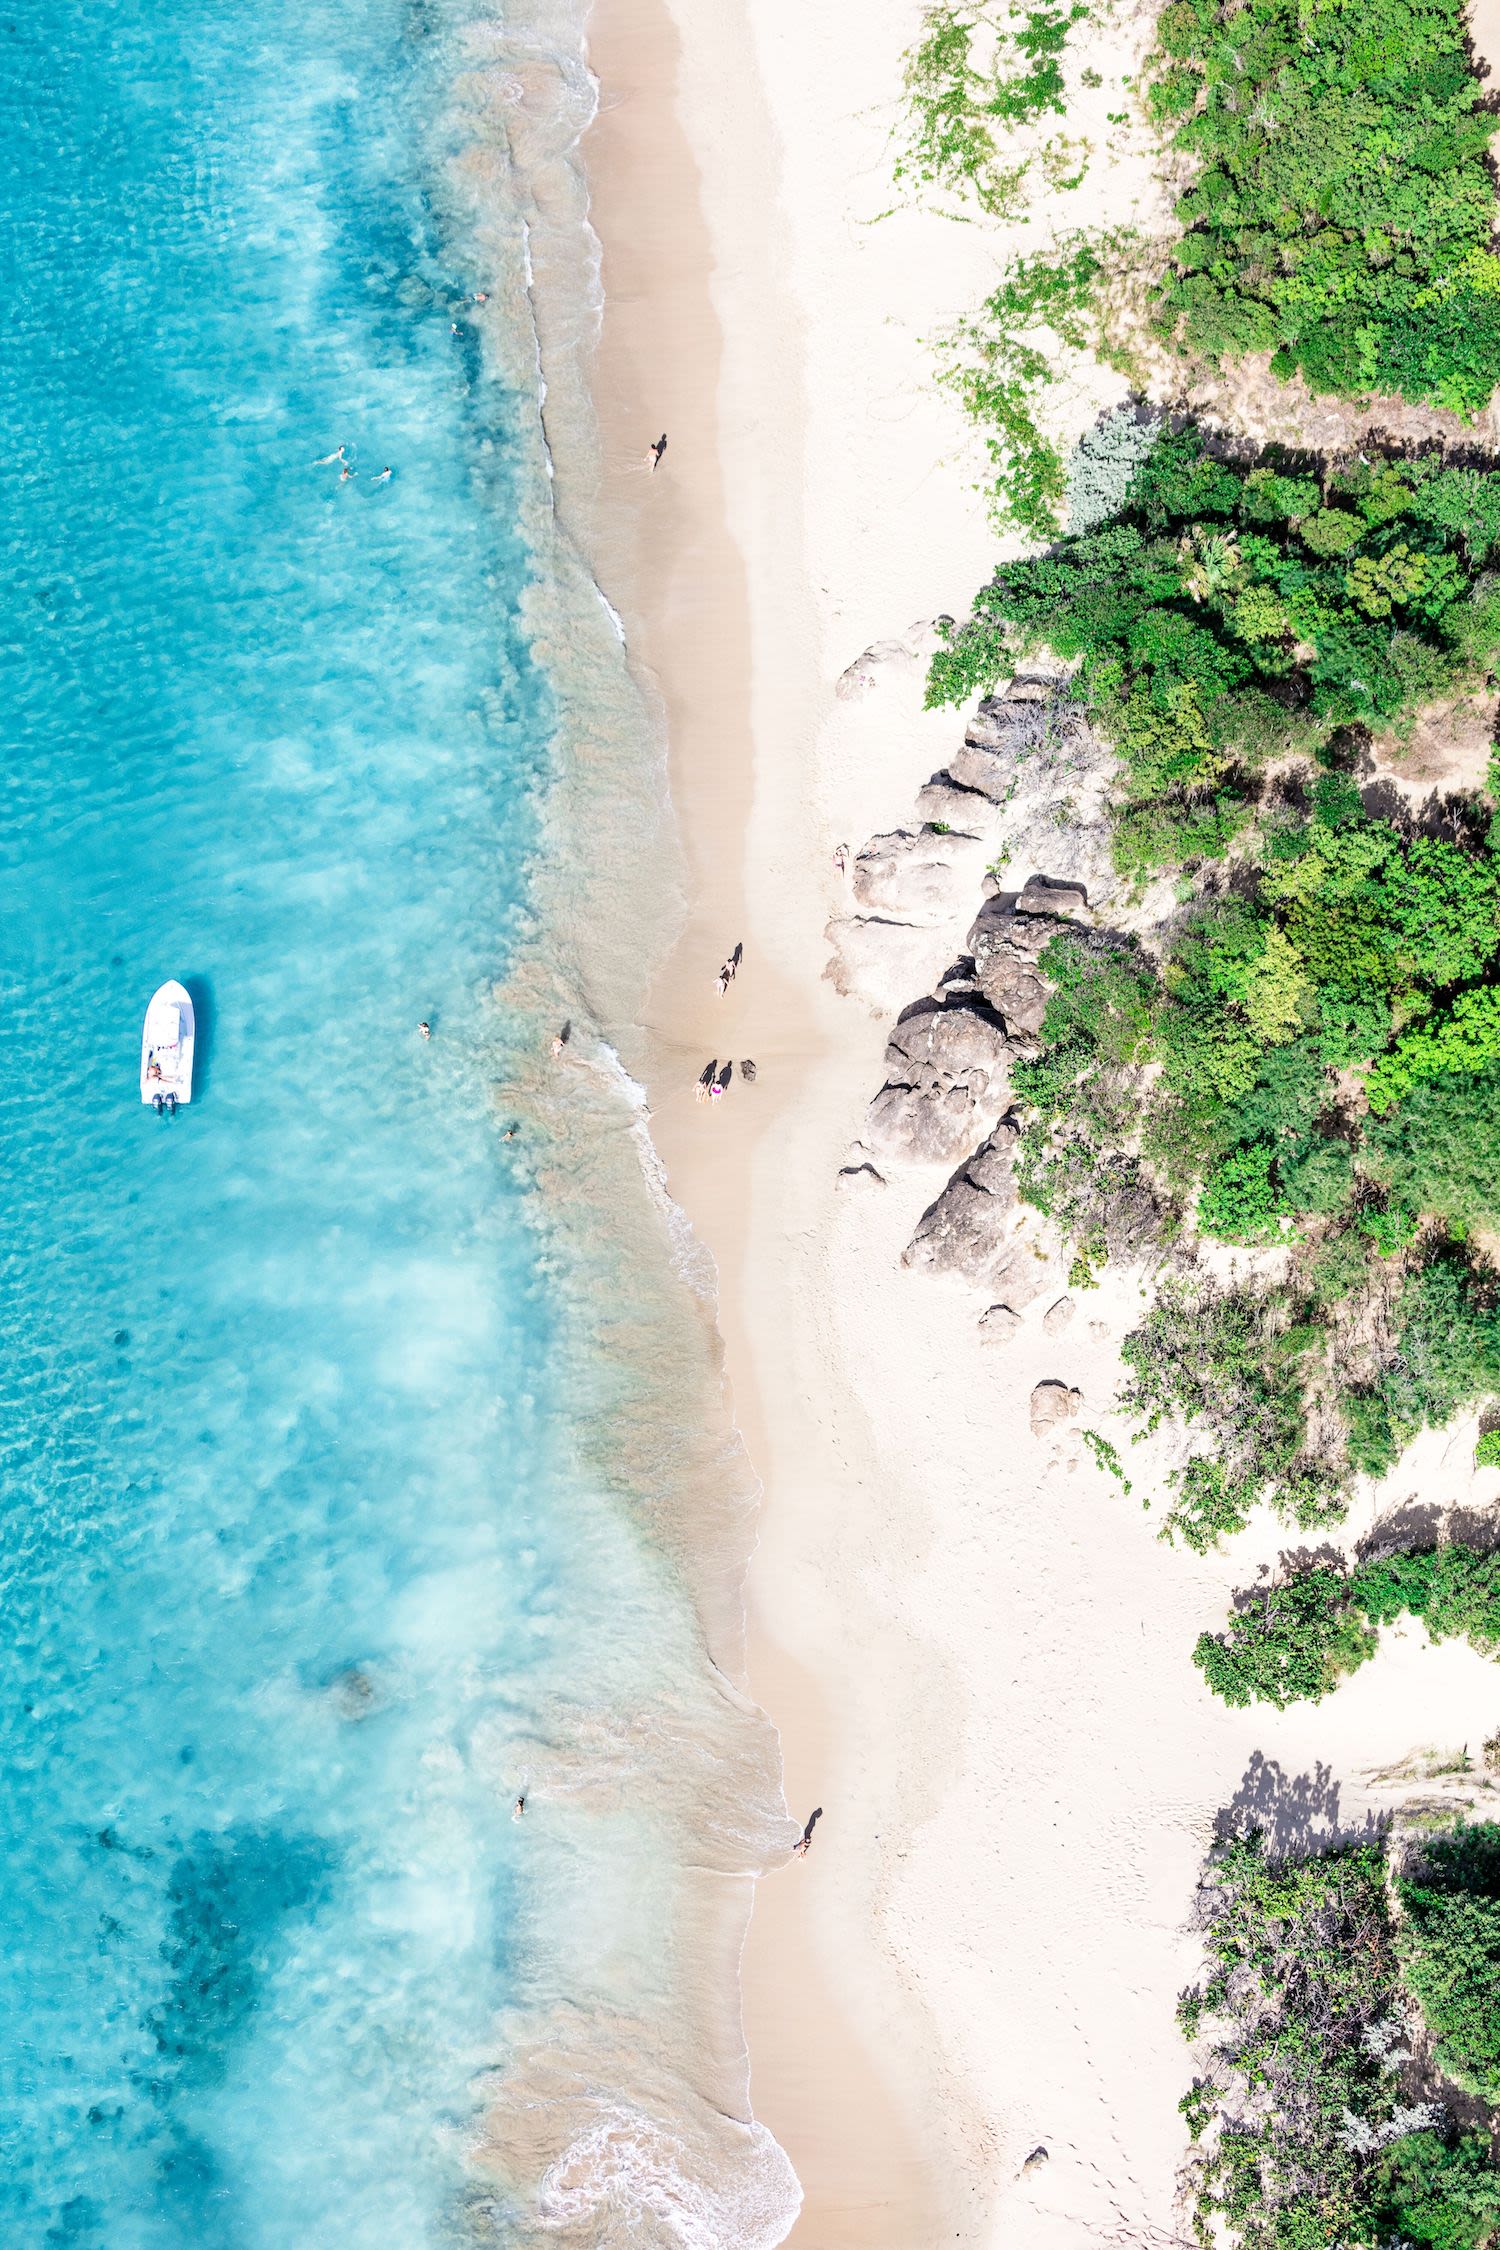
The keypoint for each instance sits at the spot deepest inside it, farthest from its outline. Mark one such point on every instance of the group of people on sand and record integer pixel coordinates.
(715, 1077)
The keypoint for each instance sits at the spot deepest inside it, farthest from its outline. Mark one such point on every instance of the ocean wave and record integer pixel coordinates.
(629, 2180)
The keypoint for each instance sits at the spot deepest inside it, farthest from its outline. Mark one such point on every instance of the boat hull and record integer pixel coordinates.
(167, 1047)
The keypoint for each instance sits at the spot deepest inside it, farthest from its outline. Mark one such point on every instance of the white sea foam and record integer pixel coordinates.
(643, 2139)
(630, 2180)
(692, 1258)
(615, 618)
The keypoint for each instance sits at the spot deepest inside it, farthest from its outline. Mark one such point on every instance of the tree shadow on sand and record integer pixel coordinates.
(1297, 1814)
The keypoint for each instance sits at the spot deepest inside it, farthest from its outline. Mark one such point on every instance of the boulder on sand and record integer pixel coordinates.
(947, 1071)
(1052, 1404)
(966, 1231)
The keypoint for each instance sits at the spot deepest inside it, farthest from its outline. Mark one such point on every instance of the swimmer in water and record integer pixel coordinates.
(383, 478)
(425, 1029)
(326, 460)
(345, 473)
(519, 1807)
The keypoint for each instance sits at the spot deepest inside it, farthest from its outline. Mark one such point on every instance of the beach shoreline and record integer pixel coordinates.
(708, 560)
(959, 2007)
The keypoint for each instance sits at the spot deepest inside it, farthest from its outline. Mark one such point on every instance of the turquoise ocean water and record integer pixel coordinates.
(292, 1552)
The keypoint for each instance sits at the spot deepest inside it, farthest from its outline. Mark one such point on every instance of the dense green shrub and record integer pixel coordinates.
(1231, 610)
(1441, 1148)
(1292, 1643)
(1306, 2131)
(1080, 1090)
(1343, 209)
(1302, 1999)
(1451, 1952)
(1438, 2194)
(1447, 1346)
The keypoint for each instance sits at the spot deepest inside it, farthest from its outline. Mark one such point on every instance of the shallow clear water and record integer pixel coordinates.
(279, 1530)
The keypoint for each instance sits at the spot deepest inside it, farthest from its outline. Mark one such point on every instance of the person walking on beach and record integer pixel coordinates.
(722, 979)
(657, 451)
(561, 1040)
(706, 1077)
(725, 1076)
(800, 1847)
(735, 958)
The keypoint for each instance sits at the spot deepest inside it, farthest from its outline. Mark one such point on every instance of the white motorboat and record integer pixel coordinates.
(167, 1049)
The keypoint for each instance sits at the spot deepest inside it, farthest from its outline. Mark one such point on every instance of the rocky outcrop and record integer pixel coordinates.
(947, 1072)
(1016, 824)
(977, 1228)
(966, 1229)
(1021, 799)
(917, 875)
(1006, 944)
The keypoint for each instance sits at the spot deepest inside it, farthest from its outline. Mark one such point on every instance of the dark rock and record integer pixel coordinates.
(967, 1230)
(1007, 949)
(1044, 896)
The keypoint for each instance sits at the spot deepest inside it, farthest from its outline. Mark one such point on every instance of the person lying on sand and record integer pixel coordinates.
(800, 1847)
(747, 1072)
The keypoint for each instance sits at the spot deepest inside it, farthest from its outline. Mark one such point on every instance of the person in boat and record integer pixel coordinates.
(153, 1068)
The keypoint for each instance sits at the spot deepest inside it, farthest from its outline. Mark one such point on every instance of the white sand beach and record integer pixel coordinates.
(973, 1644)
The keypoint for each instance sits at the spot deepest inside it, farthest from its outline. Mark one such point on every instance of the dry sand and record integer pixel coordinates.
(976, 1653)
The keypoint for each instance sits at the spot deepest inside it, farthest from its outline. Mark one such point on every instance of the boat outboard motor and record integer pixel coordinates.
(171, 1105)
(158, 1103)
